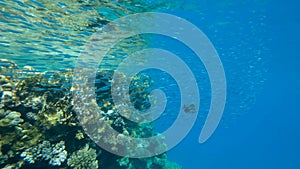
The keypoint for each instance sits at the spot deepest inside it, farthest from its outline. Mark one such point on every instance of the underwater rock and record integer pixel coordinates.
(84, 158)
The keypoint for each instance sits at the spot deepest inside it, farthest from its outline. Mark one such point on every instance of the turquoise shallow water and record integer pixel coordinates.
(259, 124)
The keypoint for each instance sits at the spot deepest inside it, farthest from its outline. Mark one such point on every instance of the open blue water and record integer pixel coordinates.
(258, 44)
(266, 135)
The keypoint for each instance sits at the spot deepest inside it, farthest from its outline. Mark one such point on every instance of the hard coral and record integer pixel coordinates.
(54, 153)
(84, 158)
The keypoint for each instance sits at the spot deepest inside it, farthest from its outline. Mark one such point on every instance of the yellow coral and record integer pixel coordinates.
(79, 135)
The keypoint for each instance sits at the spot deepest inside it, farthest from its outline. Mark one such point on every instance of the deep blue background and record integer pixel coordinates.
(268, 134)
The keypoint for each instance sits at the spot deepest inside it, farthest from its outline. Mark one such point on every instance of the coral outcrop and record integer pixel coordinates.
(54, 153)
(84, 158)
(39, 126)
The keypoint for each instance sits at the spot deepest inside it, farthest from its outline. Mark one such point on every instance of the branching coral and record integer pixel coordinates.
(84, 158)
(54, 153)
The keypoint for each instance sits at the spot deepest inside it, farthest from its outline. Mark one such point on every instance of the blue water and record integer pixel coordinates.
(266, 133)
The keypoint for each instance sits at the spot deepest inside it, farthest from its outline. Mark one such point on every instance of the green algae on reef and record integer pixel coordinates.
(39, 128)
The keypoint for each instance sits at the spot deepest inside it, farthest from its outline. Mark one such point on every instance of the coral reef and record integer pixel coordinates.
(39, 126)
(10, 118)
(55, 154)
(84, 158)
